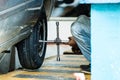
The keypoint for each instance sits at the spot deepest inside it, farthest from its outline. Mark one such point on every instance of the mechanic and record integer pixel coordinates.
(81, 33)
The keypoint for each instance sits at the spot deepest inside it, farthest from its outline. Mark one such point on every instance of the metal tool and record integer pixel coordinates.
(57, 41)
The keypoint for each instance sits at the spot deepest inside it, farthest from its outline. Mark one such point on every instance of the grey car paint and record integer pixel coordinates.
(16, 20)
(17, 17)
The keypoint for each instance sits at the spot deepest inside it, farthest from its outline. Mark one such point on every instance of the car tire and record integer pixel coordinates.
(31, 52)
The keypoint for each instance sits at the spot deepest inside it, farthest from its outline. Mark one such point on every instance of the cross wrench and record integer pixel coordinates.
(57, 41)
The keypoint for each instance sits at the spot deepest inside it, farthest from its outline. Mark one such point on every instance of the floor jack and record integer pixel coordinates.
(57, 41)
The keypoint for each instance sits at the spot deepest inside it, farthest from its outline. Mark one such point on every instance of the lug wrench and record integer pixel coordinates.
(57, 41)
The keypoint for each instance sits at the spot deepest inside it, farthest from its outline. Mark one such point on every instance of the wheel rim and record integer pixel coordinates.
(41, 36)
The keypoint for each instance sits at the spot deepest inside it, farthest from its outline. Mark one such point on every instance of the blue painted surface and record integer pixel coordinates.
(99, 1)
(105, 40)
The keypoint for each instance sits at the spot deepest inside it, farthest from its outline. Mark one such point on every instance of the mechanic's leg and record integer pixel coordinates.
(81, 35)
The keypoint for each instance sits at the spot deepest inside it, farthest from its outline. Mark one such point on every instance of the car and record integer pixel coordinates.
(22, 24)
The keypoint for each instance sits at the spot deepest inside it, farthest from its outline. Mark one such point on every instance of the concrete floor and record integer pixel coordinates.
(51, 69)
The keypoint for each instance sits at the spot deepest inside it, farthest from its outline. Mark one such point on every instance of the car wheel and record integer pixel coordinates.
(30, 51)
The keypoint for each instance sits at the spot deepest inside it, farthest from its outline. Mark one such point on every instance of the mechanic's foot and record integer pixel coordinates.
(86, 68)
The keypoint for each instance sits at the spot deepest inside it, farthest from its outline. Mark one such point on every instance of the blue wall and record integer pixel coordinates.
(105, 40)
(99, 1)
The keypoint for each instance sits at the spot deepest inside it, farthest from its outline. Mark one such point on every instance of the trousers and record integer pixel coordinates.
(81, 32)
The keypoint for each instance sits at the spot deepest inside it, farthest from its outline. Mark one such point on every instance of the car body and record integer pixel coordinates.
(20, 20)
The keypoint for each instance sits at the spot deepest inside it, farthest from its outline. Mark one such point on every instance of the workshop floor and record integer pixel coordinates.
(51, 69)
